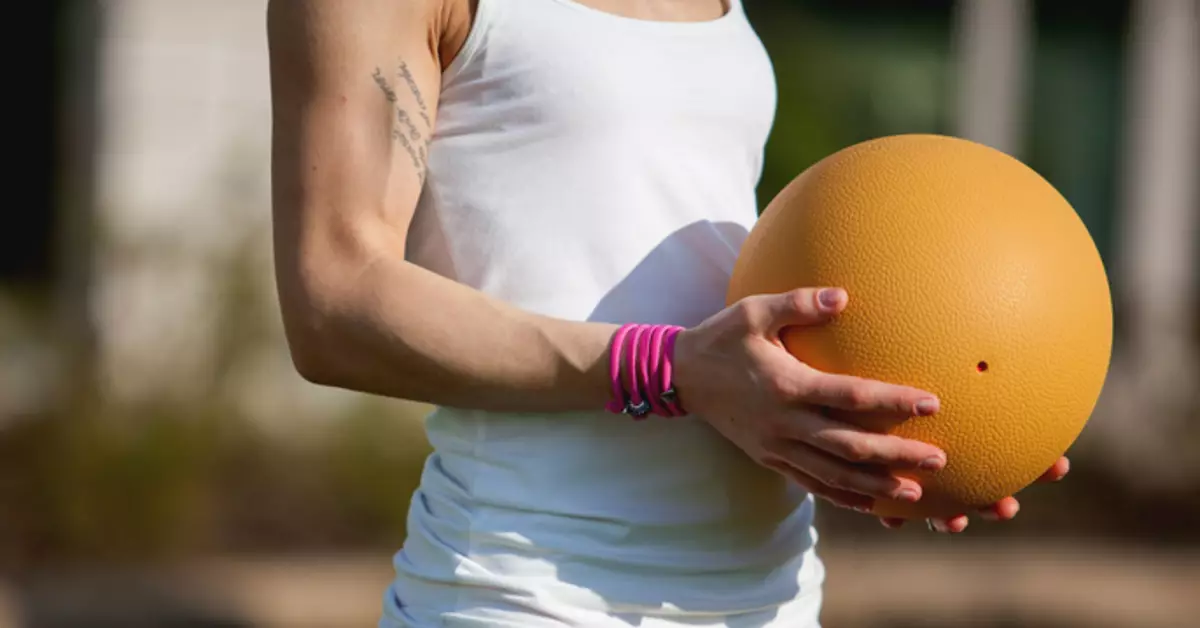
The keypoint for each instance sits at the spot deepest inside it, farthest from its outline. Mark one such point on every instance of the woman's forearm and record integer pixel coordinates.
(397, 330)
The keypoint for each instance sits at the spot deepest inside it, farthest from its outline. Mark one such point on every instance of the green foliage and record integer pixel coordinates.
(87, 488)
(375, 462)
(152, 484)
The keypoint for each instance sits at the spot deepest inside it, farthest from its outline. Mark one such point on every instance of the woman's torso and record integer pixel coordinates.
(602, 168)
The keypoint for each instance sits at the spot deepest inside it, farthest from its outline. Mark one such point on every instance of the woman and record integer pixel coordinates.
(472, 200)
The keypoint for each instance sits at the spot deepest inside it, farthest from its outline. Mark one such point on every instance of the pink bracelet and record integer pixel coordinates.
(651, 373)
(645, 385)
(639, 406)
(668, 395)
(619, 401)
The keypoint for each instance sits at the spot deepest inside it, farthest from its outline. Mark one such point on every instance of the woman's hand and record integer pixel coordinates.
(1002, 510)
(733, 371)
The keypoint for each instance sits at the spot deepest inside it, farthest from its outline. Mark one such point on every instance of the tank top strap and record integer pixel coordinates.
(489, 13)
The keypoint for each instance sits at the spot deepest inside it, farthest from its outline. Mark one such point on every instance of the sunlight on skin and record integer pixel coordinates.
(1002, 510)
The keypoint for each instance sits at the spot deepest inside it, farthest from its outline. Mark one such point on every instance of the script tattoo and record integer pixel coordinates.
(412, 85)
(405, 131)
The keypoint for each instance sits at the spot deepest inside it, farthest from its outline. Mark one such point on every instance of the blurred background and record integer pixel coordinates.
(162, 465)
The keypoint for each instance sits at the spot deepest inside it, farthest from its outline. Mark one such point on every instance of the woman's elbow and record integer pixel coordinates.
(311, 364)
(307, 340)
(321, 298)
(310, 327)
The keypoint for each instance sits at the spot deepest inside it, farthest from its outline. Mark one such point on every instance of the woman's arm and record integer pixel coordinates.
(354, 93)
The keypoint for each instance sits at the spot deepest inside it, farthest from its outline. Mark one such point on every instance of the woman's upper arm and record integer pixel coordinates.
(354, 88)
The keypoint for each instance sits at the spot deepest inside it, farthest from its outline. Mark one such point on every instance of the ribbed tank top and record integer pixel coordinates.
(595, 167)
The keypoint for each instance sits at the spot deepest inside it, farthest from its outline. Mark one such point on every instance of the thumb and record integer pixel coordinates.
(804, 306)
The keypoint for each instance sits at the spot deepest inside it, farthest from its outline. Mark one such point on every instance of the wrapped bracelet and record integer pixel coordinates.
(644, 386)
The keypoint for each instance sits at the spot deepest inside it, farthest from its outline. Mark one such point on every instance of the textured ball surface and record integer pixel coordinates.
(969, 276)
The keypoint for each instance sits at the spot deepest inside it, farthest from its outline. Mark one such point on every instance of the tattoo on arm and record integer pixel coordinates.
(388, 92)
(412, 85)
(405, 130)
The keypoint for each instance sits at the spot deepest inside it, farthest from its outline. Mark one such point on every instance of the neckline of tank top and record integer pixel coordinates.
(733, 7)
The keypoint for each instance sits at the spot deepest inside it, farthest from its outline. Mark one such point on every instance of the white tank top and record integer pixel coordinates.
(595, 167)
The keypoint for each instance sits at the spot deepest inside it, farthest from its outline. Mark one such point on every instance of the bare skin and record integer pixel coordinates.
(355, 89)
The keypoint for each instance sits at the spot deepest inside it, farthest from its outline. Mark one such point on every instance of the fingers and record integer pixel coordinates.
(1057, 471)
(840, 498)
(839, 474)
(768, 314)
(805, 306)
(1002, 510)
(857, 394)
(951, 525)
(856, 445)
(1007, 508)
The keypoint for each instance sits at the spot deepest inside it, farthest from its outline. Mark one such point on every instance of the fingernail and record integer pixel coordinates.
(830, 298)
(989, 514)
(929, 524)
(908, 495)
(933, 463)
(863, 509)
(926, 407)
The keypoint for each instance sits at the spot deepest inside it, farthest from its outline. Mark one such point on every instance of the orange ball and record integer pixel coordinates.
(969, 276)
